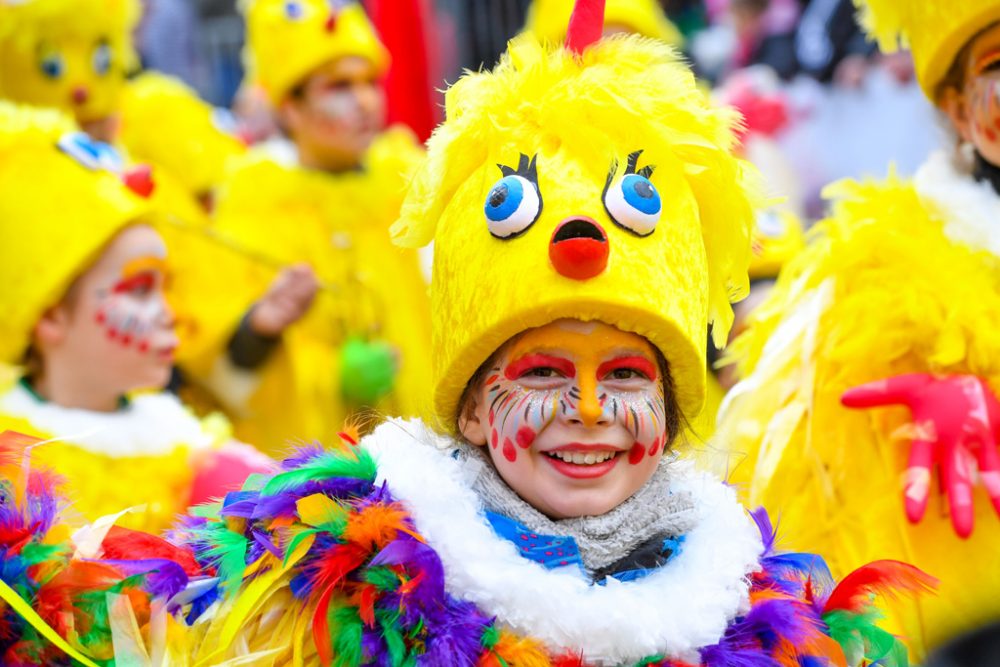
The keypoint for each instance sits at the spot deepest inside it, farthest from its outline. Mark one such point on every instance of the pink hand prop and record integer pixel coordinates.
(961, 417)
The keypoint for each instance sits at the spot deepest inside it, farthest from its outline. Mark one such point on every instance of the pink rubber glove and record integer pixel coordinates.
(961, 417)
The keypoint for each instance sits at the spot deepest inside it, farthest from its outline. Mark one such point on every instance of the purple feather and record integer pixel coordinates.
(419, 557)
(162, 577)
(454, 635)
(768, 534)
(302, 455)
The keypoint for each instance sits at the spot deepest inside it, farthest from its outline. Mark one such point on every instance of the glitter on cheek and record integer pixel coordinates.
(643, 415)
(517, 414)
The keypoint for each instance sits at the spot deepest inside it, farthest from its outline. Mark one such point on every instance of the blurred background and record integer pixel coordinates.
(843, 109)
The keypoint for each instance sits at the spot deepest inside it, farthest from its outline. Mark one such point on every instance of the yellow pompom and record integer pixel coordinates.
(577, 118)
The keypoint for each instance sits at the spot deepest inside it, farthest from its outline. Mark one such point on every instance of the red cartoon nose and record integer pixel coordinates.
(80, 95)
(579, 248)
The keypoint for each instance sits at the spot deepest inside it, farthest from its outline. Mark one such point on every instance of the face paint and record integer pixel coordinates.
(578, 378)
(983, 101)
(131, 309)
(573, 417)
(338, 105)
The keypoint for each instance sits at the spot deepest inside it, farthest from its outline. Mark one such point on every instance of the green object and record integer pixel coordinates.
(367, 371)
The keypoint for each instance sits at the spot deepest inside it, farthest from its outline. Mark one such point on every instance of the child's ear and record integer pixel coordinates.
(51, 328)
(471, 426)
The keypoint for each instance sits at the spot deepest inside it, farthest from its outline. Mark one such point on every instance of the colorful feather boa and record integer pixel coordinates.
(319, 565)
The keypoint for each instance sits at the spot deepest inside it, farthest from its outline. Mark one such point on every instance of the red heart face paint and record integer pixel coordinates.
(574, 416)
(133, 309)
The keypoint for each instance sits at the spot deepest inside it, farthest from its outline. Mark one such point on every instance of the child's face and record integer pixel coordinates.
(339, 113)
(115, 327)
(573, 417)
(975, 110)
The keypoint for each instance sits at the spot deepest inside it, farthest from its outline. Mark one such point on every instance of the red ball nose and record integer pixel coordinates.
(80, 95)
(579, 248)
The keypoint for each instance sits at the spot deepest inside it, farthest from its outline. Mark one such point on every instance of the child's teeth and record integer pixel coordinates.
(580, 458)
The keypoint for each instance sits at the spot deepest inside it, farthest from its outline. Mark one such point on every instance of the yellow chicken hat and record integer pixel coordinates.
(548, 19)
(935, 30)
(617, 198)
(62, 198)
(165, 123)
(67, 54)
(288, 39)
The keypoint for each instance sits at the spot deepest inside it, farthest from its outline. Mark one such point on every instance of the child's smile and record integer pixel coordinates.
(574, 417)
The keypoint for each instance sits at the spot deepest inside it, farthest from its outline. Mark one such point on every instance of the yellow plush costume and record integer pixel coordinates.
(548, 19)
(884, 289)
(530, 106)
(339, 225)
(69, 54)
(57, 212)
(279, 215)
(903, 277)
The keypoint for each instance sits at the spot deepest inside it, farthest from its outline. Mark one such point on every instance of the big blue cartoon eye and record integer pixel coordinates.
(514, 202)
(52, 65)
(294, 10)
(632, 201)
(102, 59)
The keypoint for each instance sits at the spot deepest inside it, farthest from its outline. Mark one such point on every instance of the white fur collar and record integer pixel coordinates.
(151, 425)
(681, 607)
(970, 209)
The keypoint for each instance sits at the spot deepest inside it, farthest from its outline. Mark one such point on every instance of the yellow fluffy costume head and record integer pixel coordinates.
(165, 123)
(935, 30)
(548, 19)
(288, 39)
(67, 54)
(62, 200)
(617, 198)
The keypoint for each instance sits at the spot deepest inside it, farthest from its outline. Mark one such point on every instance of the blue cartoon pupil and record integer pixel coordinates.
(293, 9)
(52, 66)
(640, 194)
(102, 59)
(504, 199)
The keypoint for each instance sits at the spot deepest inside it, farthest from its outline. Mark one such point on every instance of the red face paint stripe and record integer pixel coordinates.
(636, 363)
(144, 281)
(529, 362)
(985, 61)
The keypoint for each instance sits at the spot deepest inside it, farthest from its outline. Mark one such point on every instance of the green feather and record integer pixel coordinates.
(295, 541)
(382, 578)
(860, 637)
(346, 628)
(394, 640)
(227, 551)
(355, 463)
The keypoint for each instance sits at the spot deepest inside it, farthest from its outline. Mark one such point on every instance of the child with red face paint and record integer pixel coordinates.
(542, 518)
(82, 277)
(869, 416)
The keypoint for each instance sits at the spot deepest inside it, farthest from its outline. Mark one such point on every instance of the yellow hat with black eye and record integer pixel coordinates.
(935, 31)
(165, 123)
(72, 55)
(62, 199)
(548, 19)
(618, 199)
(288, 39)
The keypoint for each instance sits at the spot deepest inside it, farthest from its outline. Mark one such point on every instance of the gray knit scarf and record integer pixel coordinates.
(652, 511)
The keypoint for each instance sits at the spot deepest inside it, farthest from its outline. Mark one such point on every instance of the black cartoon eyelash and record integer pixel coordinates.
(526, 168)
